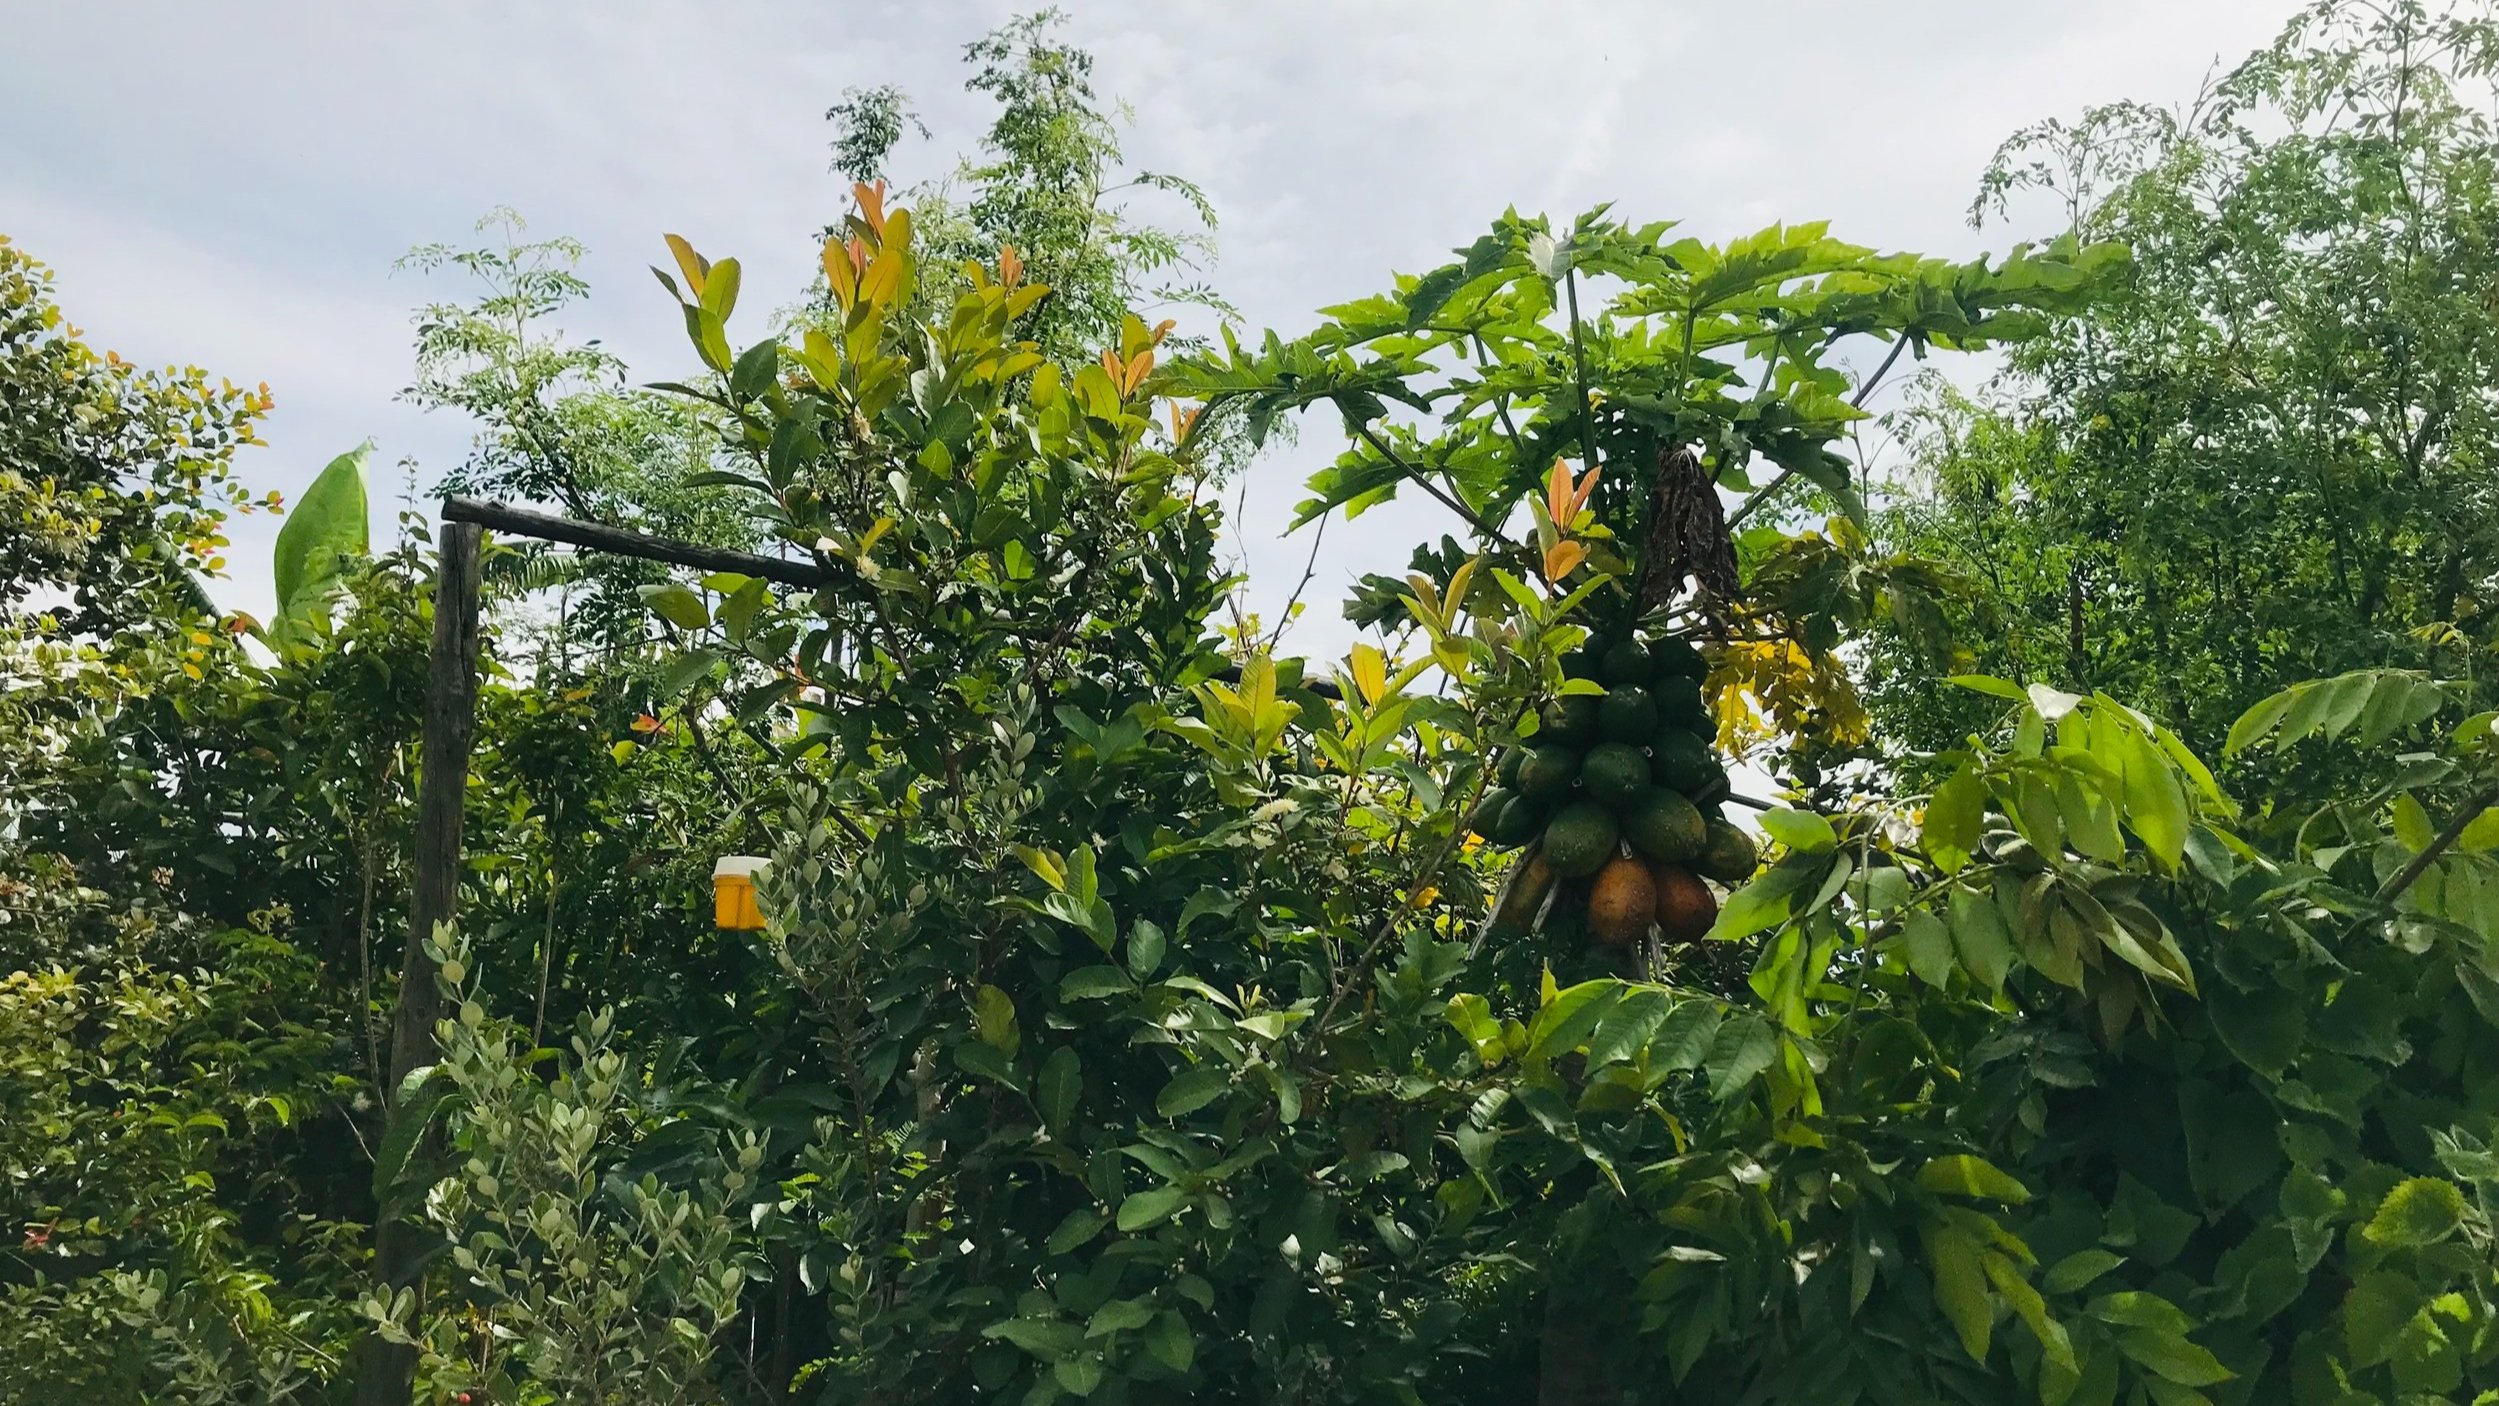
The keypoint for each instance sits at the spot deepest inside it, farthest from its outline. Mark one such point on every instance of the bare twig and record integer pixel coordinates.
(1310, 568)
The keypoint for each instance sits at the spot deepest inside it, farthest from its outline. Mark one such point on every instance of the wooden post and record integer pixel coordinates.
(385, 1372)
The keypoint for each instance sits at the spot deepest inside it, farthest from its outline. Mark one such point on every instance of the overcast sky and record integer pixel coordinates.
(228, 185)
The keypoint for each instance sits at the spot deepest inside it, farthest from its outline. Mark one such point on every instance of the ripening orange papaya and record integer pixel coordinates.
(1683, 905)
(1621, 902)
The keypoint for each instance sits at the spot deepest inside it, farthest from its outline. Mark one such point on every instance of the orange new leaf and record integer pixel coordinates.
(1562, 560)
(871, 200)
(1563, 498)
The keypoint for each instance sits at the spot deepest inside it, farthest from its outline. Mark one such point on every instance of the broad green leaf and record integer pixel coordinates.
(2421, 1211)
(1927, 945)
(720, 289)
(1119, 1316)
(2413, 828)
(1953, 1259)
(2265, 1028)
(2172, 1357)
(1051, 1339)
(1192, 1089)
(1145, 948)
(2005, 689)
(1088, 983)
(1800, 830)
(2013, 1285)
(1743, 1048)
(2090, 820)
(2129, 1308)
(2346, 696)
(1566, 1019)
(1979, 937)
(2481, 834)
(754, 370)
(2375, 1312)
(993, 1013)
(1057, 1087)
(1471, 1016)
(1151, 1207)
(327, 527)
(2156, 807)
(2308, 708)
(1961, 1174)
(684, 669)
(1763, 903)
(1685, 1040)
(2257, 721)
(2078, 1270)
(1170, 1342)
(1953, 817)
(1628, 1026)
(1076, 1229)
(1078, 1375)
(678, 605)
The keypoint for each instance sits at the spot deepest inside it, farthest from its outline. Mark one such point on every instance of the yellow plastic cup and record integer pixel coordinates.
(733, 893)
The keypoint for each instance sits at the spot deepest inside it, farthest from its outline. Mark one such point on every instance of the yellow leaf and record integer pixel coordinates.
(841, 271)
(1579, 496)
(881, 283)
(689, 263)
(1459, 580)
(1370, 672)
(1558, 494)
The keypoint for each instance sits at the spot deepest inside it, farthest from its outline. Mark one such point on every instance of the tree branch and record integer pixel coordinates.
(2411, 873)
(1482, 528)
(1771, 489)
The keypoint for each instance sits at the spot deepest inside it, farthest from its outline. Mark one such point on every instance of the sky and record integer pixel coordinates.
(230, 186)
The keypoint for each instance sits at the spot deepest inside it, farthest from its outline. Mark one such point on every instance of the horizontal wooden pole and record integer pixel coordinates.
(598, 537)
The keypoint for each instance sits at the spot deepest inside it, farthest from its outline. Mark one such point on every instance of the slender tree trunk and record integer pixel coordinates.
(2077, 644)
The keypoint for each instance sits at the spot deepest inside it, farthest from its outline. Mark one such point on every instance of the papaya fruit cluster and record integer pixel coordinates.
(1618, 788)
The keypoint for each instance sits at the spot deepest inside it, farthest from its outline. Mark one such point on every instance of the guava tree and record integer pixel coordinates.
(1182, 1107)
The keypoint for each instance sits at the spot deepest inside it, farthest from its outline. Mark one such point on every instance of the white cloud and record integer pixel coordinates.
(230, 187)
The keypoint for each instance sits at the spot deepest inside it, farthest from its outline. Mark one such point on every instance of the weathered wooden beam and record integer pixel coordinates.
(385, 1372)
(599, 537)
